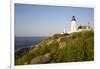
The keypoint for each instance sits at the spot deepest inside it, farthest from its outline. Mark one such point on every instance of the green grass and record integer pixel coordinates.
(79, 47)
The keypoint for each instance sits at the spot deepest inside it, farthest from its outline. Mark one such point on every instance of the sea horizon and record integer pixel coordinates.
(27, 42)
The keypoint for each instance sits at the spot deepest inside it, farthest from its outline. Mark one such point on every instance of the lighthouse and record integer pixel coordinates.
(73, 24)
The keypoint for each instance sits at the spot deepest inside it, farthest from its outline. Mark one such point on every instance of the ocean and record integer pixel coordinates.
(27, 42)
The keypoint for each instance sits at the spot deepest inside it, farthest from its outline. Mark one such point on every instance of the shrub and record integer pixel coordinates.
(80, 48)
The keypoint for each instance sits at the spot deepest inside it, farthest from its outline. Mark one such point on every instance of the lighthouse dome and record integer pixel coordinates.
(73, 18)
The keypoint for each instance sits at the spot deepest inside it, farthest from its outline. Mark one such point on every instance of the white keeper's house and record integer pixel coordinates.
(75, 28)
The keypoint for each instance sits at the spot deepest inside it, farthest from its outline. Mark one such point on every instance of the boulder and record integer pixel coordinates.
(41, 59)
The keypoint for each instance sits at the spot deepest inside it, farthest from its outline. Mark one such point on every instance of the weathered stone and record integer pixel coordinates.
(41, 59)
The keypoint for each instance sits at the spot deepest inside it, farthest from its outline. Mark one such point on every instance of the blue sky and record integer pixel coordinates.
(44, 20)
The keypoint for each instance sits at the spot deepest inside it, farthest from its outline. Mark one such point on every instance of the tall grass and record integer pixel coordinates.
(80, 48)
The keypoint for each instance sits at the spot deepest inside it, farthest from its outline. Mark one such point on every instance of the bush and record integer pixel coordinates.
(80, 48)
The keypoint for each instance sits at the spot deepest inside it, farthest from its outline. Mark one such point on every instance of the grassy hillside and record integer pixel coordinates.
(74, 47)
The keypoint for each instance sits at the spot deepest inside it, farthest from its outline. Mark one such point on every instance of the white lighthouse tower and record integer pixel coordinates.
(73, 24)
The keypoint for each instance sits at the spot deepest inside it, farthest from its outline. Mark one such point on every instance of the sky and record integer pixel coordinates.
(46, 20)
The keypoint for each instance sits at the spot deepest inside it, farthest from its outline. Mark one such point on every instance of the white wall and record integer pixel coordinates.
(74, 26)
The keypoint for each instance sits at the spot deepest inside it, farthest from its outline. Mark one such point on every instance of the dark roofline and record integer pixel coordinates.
(73, 18)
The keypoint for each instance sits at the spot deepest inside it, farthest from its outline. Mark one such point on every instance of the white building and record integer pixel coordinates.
(73, 24)
(84, 28)
(76, 28)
